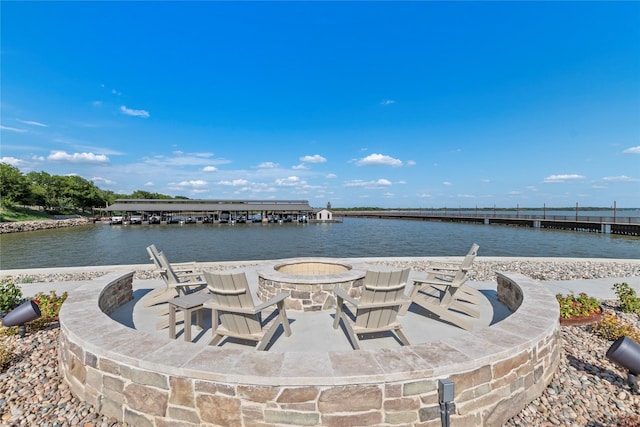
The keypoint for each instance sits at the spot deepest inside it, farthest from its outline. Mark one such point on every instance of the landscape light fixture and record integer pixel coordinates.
(626, 353)
(445, 395)
(25, 312)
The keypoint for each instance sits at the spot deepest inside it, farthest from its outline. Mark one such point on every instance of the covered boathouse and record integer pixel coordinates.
(166, 211)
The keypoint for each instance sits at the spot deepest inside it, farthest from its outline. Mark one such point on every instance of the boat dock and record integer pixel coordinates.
(187, 211)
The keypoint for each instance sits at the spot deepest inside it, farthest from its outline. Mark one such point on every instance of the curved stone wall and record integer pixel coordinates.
(146, 380)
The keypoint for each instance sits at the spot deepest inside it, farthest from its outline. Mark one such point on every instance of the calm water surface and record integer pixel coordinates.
(106, 245)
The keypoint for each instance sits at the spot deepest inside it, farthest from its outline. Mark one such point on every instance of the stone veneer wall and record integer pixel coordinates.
(146, 380)
(310, 281)
(307, 297)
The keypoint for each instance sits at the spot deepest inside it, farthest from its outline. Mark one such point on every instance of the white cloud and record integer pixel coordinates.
(63, 156)
(621, 178)
(234, 183)
(563, 178)
(12, 161)
(209, 169)
(10, 129)
(632, 150)
(411, 162)
(134, 113)
(195, 183)
(331, 176)
(185, 159)
(380, 183)
(301, 166)
(379, 159)
(268, 165)
(100, 180)
(447, 183)
(148, 184)
(316, 158)
(387, 102)
(32, 123)
(290, 181)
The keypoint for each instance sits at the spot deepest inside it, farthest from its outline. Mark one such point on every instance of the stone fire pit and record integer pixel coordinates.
(310, 281)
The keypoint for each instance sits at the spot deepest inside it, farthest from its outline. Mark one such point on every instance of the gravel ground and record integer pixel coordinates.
(587, 389)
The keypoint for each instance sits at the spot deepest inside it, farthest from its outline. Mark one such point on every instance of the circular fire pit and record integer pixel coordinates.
(309, 281)
(311, 268)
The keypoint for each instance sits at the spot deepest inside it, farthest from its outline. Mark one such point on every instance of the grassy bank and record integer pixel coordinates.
(21, 213)
(15, 213)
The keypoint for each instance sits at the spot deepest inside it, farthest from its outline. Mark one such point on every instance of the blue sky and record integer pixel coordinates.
(416, 104)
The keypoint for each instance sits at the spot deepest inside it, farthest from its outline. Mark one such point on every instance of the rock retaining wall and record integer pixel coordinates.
(44, 224)
(146, 380)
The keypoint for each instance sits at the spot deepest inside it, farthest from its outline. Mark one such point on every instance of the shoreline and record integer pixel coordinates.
(42, 224)
(542, 268)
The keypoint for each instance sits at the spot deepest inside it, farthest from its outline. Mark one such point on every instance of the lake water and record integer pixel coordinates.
(102, 244)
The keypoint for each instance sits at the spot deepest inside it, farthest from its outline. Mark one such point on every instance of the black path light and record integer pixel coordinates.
(445, 396)
(25, 312)
(626, 353)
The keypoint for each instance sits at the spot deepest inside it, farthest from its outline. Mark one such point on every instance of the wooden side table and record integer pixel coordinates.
(189, 304)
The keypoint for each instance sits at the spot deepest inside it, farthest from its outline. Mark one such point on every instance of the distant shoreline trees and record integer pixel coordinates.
(57, 192)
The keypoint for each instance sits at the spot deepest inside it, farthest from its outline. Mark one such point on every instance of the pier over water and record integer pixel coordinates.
(622, 225)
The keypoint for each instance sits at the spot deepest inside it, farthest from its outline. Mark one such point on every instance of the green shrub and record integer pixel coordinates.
(49, 304)
(629, 302)
(611, 328)
(582, 305)
(10, 295)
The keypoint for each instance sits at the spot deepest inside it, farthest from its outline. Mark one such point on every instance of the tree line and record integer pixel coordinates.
(58, 192)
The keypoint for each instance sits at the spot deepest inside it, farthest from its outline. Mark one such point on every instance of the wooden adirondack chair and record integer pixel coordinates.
(438, 296)
(377, 309)
(234, 313)
(449, 270)
(179, 279)
(178, 268)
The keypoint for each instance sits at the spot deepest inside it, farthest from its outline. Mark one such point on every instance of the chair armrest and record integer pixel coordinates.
(224, 308)
(190, 276)
(432, 281)
(341, 293)
(446, 273)
(443, 268)
(272, 301)
(444, 265)
(191, 284)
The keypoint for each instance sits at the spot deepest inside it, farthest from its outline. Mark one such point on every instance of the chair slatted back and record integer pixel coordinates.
(167, 272)
(382, 296)
(153, 255)
(467, 262)
(231, 291)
